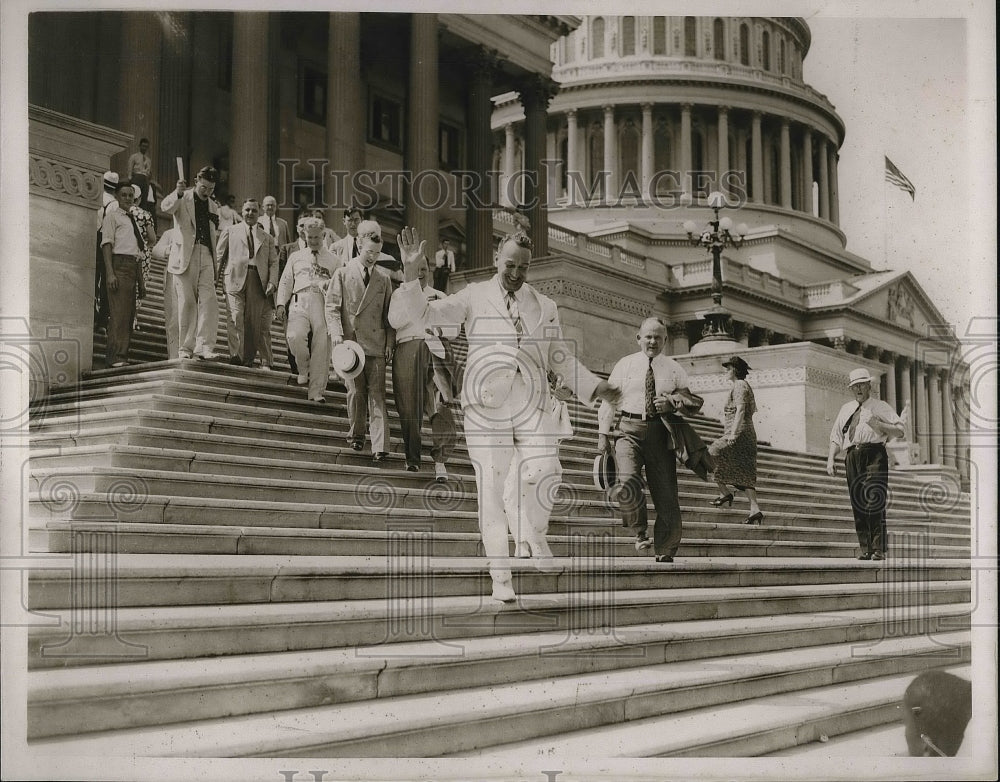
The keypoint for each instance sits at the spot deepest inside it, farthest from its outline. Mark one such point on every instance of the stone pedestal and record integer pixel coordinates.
(799, 389)
(66, 159)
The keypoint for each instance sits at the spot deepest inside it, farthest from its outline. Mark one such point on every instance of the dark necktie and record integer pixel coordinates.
(852, 424)
(271, 229)
(515, 315)
(650, 390)
(315, 264)
(354, 248)
(253, 252)
(367, 276)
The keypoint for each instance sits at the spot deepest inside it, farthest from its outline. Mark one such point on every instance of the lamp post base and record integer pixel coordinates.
(716, 334)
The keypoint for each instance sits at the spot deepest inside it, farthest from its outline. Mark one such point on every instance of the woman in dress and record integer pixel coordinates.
(735, 452)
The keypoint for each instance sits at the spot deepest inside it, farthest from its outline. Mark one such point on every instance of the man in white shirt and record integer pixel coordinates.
(108, 204)
(512, 435)
(860, 431)
(652, 384)
(276, 227)
(302, 290)
(444, 266)
(347, 248)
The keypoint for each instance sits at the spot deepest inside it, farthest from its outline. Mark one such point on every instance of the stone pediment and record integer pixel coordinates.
(900, 302)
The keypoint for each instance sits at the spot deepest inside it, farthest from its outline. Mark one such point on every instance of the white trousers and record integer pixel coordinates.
(515, 452)
(305, 315)
(197, 307)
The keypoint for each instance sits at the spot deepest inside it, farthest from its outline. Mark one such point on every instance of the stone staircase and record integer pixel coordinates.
(240, 583)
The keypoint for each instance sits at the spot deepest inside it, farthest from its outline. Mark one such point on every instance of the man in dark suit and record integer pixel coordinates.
(357, 308)
(248, 262)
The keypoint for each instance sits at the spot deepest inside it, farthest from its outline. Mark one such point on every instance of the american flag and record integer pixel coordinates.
(896, 177)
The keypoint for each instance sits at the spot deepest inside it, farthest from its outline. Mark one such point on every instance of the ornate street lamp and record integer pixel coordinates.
(718, 235)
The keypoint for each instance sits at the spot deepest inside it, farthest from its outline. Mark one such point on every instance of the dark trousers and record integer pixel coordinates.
(867, 468)
(441, 275)
(101, 310)
(648, 444)
(121, 303)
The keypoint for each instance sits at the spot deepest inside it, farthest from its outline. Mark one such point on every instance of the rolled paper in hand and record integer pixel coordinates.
(180, 168)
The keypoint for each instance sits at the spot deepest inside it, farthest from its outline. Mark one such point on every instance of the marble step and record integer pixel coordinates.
(435, 724)
(181, 632)
(159, 538)
(812, 722)
(128, 695)
(179, 579)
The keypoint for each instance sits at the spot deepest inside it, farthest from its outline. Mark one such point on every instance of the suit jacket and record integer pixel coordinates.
(281, 231)
(342, 249)
(358, 313)
(233, 252)
(182, 209)
(494, 357)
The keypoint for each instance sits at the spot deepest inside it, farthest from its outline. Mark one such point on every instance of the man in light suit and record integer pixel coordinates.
(511, 426)
(276, 227)
(248, 262)
(285, 252)
(357, 308)
(347, 247)
(192, 263)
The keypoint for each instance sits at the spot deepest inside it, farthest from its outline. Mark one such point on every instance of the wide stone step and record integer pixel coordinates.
(167, 579)
(800, 724)
(158, 538)
(464, 720)
(156, 693)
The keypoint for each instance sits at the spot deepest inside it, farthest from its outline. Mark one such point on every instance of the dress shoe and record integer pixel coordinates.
(118, 364)
(877, 556)
(664, 558)
(411, 467)
(440, 472)
(357, 445)
(642, 543)
(756, 518)
(379, 456)
(235, 361)
(182, 353)
(503, 591)
(537, 548)
(722, 499)
(319, 400)
(865, 555)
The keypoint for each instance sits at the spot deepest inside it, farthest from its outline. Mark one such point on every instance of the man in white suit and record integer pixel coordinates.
(248, 263)
(511, 429)
(347, 247)
(192, 263)
(276, 227)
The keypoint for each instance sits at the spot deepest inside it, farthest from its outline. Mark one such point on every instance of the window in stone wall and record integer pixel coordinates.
(766, 50)
(385, 121)
(312, 93)
(718, 40)
(690, 36)
(744, 45)
(597, 38)
(781, 55)
(628, 36)
(659, 35)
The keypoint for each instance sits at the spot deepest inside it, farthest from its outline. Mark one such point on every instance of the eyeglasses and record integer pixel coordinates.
(374, 237)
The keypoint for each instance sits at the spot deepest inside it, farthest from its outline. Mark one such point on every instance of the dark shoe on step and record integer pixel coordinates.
(756, 518)
(866, 555)
(664, 558)
(723, 499)
(877, 556)
(379, 457)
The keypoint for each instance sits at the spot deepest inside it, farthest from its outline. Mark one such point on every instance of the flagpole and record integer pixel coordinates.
(885, 227)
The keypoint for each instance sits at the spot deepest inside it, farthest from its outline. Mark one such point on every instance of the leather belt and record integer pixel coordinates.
(639, 416)
(865, 445)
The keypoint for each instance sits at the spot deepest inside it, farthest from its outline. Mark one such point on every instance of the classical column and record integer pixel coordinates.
(345, 135)
(175, 105)
(723, 131)
(935, 431)
(248, 160)
(139, 87)
(507, 195)
(571, 154)
(482, 66)
(905, 387)
(923, 422)
(535, 94)
(785, 163)
(756, 160)
(647, 147)
(889, 384)
(824, 170)
(834, 193)
(554, 170)
(422, 137)
(610, 152)
(678, 338)
(807, 171)
(948, 421)
(686, 152)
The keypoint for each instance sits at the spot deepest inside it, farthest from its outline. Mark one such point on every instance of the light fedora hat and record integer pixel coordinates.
(859, 376)
(348, 359)
(605, 471)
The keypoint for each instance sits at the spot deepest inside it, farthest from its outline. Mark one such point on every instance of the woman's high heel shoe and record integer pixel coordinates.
(723, 499)
(756, 518)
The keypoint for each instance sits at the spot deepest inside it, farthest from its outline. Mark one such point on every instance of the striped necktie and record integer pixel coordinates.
(650, 390)
(515, 315)
(852, 424)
